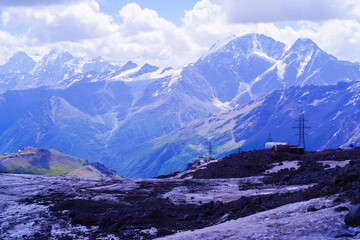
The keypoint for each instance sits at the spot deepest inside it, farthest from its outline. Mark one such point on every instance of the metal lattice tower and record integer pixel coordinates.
(210, 150)
(302, 127)
(270, 139)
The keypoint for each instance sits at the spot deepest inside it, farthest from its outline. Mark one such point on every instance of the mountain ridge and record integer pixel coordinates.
(115, 116)
(333, 124)
(51, 162)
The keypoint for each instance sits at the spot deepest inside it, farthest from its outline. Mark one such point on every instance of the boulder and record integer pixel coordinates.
(311, 208)
(341, 208)
(353, 217)
(344, 234)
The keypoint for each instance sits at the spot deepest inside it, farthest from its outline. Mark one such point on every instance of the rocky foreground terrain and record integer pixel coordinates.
(248, 195)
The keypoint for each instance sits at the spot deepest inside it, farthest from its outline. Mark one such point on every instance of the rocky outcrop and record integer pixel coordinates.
(93, 170)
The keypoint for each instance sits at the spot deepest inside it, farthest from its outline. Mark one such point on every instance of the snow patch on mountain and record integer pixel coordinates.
(159, 73)
(175, 77)
(337, 115)
(281, 68)
(124, 76)
(220, 104)
(303, 64)
(317, 102)
(305, 93)
(263, 55)
(272, 68)
(353, 101)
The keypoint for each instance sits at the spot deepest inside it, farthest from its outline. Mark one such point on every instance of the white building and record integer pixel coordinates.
(274, 145)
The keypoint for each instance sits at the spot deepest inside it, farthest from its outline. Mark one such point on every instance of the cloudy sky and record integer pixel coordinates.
(171, 32)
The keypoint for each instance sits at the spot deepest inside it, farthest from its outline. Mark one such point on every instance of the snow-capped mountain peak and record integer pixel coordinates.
(247, 67)
(20, 62)
(129, 65)
(99, 59)
(18, 57)
(55, 56)
(245, 46)
(146, 68)
(303, 46)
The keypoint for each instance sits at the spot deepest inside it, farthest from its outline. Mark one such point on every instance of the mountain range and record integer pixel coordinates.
(143, 121)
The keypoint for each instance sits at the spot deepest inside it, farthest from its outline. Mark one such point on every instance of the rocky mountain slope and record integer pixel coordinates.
(332, 113)
(115, 114)
(51, 162)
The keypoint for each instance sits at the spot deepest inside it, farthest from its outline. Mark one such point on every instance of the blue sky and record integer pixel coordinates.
(168, 9)
(171, 33)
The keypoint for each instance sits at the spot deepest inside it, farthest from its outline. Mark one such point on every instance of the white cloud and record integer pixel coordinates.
(142, 36)
(205, 22)
(137, 20)
(340, 38)
(73, 22)
(17, 3)
(250, 11)
(9, 45)
(83, 30)
(339, 35)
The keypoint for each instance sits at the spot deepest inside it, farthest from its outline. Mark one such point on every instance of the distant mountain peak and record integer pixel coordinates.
(52, 52)
(246, 45)
(20, 62)
(55, 54)
(54, 57)
(304, 44)
(99, 59)
(251, 37)
(146, 68)
(19, 54)
(19, 57)
(232, 39)
(129, 65)
(306, 41)
(147, 65)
